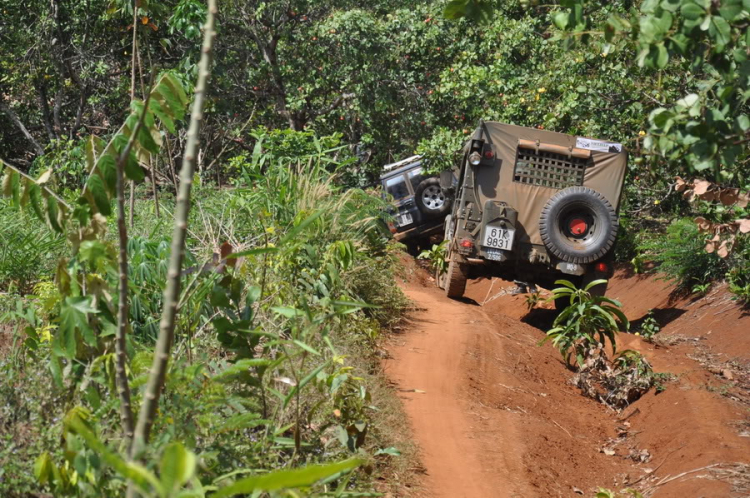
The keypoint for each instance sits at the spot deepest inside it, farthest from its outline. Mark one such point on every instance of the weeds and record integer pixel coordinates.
(701, 289)
(649, 328)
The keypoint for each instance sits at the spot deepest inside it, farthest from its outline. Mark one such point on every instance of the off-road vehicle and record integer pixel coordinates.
(420, 204)
(533, 206)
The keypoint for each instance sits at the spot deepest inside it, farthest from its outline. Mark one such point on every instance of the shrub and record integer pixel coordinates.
(738, 277)
(681, 257)
(588, 320)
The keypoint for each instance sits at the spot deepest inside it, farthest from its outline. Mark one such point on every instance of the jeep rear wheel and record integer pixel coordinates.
(455, 279)
(578, 225)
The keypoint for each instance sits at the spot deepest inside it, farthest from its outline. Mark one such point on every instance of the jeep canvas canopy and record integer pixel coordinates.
(530, 165)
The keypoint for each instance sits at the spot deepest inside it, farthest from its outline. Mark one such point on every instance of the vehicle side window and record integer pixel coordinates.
(396, 186)
(415, 177)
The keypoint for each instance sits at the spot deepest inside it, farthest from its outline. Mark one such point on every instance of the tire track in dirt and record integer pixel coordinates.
(430, 368)
(497, 416)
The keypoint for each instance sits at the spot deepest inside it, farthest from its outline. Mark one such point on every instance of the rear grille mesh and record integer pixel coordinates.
(547, 169)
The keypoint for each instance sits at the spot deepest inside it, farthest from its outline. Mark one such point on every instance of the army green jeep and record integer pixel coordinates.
(533, 206)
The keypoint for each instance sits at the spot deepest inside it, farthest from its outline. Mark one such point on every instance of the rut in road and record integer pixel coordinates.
(493, 415)
(463, 454)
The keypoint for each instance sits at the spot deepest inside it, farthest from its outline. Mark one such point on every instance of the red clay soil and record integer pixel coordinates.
(494, 415)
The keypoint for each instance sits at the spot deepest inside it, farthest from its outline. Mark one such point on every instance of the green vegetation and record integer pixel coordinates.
(681, 256)
(581, 332)
(649, 327)
(244, 325)
(286, 277)
(436, 257)
(588, 320)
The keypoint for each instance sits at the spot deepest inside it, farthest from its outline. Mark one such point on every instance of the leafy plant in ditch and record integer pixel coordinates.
(589, 320)
(701, 289)
(436, 256)
(650, 327)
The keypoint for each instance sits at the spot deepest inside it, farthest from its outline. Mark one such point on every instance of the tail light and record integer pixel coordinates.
(467, 243)
(601, 267)
(392, 227)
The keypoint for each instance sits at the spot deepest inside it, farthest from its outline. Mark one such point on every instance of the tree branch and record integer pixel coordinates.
(16, 121)
(123, 388)
(158, 372)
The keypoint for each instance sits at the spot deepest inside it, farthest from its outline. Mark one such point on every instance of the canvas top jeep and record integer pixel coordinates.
(534, 206)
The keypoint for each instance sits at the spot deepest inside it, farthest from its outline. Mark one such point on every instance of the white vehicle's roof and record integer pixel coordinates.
(403, 162)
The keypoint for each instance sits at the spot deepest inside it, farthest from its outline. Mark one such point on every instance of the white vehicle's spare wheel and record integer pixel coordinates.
(431, 198)
(578, 225)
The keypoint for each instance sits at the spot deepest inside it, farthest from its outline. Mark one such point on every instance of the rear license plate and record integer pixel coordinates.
(494, 254)
(498, 238)
(405, 219)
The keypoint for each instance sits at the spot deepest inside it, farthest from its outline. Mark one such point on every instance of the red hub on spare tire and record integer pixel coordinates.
(578, 226)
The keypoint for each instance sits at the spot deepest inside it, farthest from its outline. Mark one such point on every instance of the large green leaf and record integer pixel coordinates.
(285, 479)
(133, 170)
(97, 189)
(139, 475)
(74, 317)
(177, 467)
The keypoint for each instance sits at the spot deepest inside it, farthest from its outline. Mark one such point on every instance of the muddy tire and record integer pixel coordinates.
(455, 279)
(578, 225)
(431, 200)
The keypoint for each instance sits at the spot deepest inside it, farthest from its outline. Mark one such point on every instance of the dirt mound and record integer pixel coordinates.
(488, 406)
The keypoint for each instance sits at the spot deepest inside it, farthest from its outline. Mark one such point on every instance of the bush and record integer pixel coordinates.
(681, 256)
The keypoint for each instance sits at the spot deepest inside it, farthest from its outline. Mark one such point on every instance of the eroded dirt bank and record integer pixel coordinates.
(494, 415)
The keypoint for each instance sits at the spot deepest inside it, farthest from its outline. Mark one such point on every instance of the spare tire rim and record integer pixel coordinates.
(433, 197)
(578, 227)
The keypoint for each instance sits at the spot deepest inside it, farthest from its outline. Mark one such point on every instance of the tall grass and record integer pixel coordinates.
(28, 250)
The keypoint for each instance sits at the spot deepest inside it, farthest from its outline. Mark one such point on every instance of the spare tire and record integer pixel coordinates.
(431, 199)
(578, 225)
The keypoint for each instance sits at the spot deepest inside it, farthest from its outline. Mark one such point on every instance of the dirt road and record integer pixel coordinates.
(495, 416)
(433, 367)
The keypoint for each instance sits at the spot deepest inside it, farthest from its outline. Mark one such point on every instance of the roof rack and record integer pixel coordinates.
(403, 162)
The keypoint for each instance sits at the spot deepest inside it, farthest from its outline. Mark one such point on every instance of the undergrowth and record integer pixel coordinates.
(275, 361)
